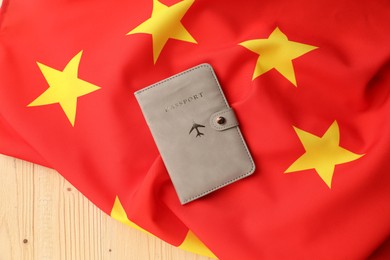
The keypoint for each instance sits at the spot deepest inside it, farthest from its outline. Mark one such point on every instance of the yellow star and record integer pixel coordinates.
(64, 87)
(190, 243)
(276, 52)
(322, 153)
(165, 24)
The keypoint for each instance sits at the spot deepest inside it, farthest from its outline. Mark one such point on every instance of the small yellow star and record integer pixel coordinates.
(165, 24)
(322, 153)
(190, 243)
(64, 87)
(276, 52)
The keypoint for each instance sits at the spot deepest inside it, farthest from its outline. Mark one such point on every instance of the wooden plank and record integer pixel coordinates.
(42, 216)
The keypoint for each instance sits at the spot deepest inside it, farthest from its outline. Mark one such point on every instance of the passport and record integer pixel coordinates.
(196, 132)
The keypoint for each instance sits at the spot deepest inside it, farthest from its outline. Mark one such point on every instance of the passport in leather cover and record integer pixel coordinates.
(196, 132)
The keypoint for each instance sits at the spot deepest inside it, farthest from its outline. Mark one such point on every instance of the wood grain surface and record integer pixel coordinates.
(42, 216)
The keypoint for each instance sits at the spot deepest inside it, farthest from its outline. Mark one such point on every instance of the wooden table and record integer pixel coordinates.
(42, 216)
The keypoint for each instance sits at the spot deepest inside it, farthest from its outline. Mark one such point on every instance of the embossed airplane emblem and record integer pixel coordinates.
(196, 126)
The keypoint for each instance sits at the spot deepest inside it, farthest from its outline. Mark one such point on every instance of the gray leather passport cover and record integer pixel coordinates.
(196, 132)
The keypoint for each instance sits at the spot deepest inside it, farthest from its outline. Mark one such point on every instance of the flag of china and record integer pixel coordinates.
(309, 82)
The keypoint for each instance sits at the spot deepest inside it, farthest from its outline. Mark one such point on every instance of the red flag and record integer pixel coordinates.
(308, 80)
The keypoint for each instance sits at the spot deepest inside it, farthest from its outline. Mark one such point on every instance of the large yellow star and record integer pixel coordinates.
(276, 52)
(322, 153)
(165, 24)
(64, 87)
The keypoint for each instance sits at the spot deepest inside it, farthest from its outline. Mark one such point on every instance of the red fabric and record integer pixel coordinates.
(110, 151)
